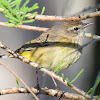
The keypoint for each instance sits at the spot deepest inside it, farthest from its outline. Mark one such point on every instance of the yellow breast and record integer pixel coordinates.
(44, 56)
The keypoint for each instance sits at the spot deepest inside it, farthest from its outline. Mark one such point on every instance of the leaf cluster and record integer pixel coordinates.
(16, 13)
(76, 77)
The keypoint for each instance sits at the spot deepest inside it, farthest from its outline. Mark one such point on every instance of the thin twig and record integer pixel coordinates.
(52, 74)
(64, 18)
(51, 92)
(93, 36)
(25, 27)
(20, 80)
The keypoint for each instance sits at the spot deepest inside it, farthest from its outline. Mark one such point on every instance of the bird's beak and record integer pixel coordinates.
(87, 24)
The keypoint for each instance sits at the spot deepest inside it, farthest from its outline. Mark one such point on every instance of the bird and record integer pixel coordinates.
(55, 46)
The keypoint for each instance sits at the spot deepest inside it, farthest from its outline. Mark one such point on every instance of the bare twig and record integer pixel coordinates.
(93, 36)
(51, 92)
(61, 18)
(52, 74)
(64, 18)
(20, 80)
(26, 27)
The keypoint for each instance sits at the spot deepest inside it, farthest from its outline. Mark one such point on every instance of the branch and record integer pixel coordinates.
(51, 92)
(93, 36)
(61, 18)
(35, 65)
(26, 27)
(64, 18)
(20, 81)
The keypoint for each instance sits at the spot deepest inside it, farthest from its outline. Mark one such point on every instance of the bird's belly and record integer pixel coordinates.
(50, 57)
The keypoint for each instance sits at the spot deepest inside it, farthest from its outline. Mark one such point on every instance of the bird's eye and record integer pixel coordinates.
(76, 29)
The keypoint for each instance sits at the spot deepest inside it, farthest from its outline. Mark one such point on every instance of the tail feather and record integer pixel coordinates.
(6, 56)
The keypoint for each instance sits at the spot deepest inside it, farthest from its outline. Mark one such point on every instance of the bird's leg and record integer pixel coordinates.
(37, 86)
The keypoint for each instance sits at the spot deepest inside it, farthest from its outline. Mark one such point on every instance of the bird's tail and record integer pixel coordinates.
(6, 56)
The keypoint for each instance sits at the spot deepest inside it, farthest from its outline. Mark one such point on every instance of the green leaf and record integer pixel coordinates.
(98, 97)
(77, 75)
(46, 88)
(43, 9)
(32, 14)
(28, 21)
(79, 16)
(23, 14)
(35, 6)
(9, 1)
(17, 82)
(87, 16)
(96, 9)
(15, 13)
(57, 70)
(11, 21)
(6, 4)
(24, 5)
(69, 83)
(12, 4)
(63, 77)
(89, 91)
(17, 9)
(12, 18)
(94, 87)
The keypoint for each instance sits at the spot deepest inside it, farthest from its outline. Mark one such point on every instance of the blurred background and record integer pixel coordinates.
(15, 38)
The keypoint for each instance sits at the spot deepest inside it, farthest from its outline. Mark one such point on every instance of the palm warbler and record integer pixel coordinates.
(53, 46)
